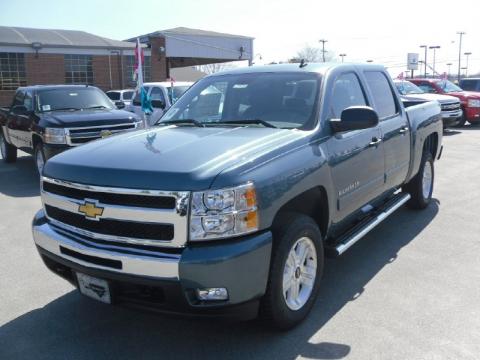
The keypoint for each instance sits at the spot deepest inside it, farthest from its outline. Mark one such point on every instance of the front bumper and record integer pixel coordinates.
(165, 282)
(472, 115)
(451, 118)
(50, 150)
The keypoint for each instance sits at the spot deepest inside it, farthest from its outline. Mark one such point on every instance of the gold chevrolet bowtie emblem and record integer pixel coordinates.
(90, 209)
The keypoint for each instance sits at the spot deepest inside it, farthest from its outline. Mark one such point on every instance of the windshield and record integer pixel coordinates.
(285, 100)
(448, 86)
(408, 88)
(72, 99)
(113, 95)
(177, 92)
(128, 95)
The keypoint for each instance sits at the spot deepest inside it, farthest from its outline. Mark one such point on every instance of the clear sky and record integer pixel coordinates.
(384, 31)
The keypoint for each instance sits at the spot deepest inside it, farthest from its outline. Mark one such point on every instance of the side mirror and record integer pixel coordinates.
(355, 118)
(158, 104)
(119, 104)
(20, 110)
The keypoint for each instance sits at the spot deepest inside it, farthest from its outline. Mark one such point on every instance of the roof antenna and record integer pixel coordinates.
(302, 63)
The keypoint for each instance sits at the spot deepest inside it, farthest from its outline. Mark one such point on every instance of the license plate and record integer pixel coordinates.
(94, 288)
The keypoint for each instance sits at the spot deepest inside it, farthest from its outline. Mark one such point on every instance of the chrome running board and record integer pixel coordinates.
(359, 231)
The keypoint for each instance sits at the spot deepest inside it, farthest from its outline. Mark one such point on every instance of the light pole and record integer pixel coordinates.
(342, 56)
(461, 33)
(323, 41)
(449, 65)
(425, 60)
(434, 52)
(467, 54)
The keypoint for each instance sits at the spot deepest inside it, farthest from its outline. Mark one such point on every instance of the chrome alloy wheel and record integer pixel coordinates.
(427, 180)
(299, 273)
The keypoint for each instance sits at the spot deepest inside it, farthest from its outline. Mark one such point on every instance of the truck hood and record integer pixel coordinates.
(93, 117)
(464, 95)
(168, 158)
(442, 99)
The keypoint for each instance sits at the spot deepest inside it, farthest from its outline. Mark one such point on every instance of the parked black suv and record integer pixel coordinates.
(45, 120)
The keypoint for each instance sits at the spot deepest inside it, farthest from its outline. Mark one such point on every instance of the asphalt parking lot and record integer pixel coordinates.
(409, 290)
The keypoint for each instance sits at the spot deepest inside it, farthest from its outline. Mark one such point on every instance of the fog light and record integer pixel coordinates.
(212, 294)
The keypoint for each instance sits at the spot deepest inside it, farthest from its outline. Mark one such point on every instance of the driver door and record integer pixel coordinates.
(356, 157)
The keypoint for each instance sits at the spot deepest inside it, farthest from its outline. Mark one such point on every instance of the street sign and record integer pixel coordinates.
(412, 61)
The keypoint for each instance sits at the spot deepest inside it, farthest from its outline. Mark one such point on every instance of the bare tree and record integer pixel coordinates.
(312, 54)
(213, 68)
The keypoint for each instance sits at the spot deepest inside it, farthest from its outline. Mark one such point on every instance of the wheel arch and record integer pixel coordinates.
(312, 203)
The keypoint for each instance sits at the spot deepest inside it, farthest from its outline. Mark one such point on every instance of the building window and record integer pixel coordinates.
(78, 69)
(12, 71)
(129, 70)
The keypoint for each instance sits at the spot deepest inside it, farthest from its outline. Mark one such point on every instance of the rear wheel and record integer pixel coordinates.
(295, 272)
(39, 157)
(421, 186)
(9, 152)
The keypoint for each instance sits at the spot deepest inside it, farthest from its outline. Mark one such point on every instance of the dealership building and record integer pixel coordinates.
(45, 56)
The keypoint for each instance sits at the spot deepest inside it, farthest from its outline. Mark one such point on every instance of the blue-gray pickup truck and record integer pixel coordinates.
(228, 206)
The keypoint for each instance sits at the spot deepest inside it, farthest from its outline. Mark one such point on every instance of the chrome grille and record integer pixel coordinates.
(135, 217)
(80, 135)
(450, 107)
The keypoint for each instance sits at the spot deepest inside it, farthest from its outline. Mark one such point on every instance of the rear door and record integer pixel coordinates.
(356, 157)
(394, 126)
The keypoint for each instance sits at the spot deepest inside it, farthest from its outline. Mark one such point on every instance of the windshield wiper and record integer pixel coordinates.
(247, 122)
(182, 121)
(66, 108)
(96, 107)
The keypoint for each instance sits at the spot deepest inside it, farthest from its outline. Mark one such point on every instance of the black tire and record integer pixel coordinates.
(274, 309)
(419, 199)
(38, 154)
(9, 152)
(461, 122)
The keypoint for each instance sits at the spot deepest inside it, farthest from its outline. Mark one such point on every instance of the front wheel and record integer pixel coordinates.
(461, 122)
(9, 152)
(421, 186)
(295, 272)
(39, 156)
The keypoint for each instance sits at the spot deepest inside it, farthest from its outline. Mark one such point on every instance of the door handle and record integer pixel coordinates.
(375, 141)
(403, 130)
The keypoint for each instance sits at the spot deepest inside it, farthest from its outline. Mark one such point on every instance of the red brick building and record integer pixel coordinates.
(42, 56)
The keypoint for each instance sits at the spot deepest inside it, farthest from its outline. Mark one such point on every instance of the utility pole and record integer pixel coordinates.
(461, 33)
(467, 54)
(434, 52)
(342, 56)
(425, 60)
(323, 41)
(449, 65)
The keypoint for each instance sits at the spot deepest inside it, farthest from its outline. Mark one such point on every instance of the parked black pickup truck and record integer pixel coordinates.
(46, 120)
(230, 204)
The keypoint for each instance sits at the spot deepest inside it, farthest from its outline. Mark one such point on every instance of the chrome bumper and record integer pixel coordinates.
(146, 263)
(451, 114)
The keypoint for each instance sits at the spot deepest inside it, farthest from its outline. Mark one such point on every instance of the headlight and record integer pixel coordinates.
(474, 103)
(223, 213)
(55, 136)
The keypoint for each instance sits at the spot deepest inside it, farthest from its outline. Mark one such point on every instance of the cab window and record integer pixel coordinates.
(383, 96)
(347, 92)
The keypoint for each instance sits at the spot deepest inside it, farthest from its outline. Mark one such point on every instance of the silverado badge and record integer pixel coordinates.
(91, 209)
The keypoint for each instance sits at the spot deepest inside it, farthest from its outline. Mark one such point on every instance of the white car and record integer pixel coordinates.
(451, 108)
(162, 98)
(121, 96)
